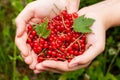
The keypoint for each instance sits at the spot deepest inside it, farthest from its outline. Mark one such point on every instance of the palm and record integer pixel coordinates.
(32, 14)
(95, 42)
(95, 45)
(41, 9)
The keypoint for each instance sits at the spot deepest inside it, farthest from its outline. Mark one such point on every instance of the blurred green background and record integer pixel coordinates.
(105, 67)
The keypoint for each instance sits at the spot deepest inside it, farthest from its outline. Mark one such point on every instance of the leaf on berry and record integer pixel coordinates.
(46, 34)
(82, 24)
(42, 29)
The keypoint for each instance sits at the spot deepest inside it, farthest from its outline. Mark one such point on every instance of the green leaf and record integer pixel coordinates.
(46, 34)
(42, 30)
(82, 24)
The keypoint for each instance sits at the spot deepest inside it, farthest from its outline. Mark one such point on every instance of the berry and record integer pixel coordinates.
(40, 59)
(75, 15)
(33, 32)
(29, 28)
(64, 13)
(63, 43)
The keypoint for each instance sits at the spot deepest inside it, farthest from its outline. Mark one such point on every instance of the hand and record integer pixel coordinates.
(95, 44)
(32, 14)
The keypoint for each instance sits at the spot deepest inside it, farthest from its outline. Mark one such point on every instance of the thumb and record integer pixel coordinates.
(73, 5)
(97, 41)
(22, 20)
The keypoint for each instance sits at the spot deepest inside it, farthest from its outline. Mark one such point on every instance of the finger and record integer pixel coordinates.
(28, 59)
(97, 39)
(87, 56)
(34, 62)
(39, 67)
(73, 6)
(63, 66)
(34, 21)
(53, 70)
(37, 71)
(58, 67)
(89, 41)
(88, 45)
(21, 44)
(43, 67)
(23, 18)
(79, 66)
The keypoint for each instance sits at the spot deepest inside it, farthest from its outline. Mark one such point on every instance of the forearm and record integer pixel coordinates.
(108, 11)
(112, 12)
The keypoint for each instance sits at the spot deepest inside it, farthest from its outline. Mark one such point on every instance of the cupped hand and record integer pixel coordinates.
(95, 44)
(32, 14)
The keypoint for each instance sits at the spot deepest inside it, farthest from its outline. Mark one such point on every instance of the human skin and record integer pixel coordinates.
(32, 14)
(106, 15)
(101, 12)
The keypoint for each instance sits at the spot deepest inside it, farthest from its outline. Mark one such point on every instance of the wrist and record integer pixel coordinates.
(108, 12)
(111, 14)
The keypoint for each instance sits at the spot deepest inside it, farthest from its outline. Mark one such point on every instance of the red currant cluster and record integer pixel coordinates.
(63, 43)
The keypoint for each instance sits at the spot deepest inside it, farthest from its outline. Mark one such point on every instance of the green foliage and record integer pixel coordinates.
(82, 24)
(25, 78)
(9, 55)
(85, 3)
(105, 67)
(42, 30)
(74, 75)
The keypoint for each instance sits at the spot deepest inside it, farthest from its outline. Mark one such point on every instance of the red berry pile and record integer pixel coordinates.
(63, 43)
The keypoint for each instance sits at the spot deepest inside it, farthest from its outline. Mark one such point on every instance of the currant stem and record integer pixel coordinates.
(63, 21)
(74, 42)
(54, 59)
(79, 45)
(70, 57)
(59, 51)
(41, 52)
